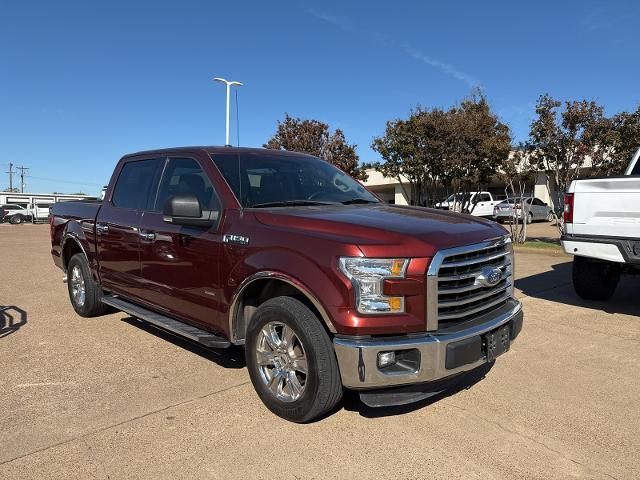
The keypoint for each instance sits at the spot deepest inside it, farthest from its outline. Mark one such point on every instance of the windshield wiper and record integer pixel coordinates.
(291, 203)
(353, 201)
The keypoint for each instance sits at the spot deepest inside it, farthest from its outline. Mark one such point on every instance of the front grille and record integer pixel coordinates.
(460, 290)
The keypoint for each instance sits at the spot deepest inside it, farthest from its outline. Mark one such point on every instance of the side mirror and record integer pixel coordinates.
(186, 210)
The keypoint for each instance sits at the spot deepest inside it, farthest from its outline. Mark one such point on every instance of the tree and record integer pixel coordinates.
(463, 147)
(516, 172)
(314, 137)
(413, 151)
(561, 141)
(626, 140)
(480, 146)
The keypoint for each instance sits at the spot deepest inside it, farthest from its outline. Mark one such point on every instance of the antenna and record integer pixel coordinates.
(237, 120)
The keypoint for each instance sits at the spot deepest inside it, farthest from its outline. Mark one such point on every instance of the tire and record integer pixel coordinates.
(550, 216)
(529, 218)
(84, 293)
(16, 220)
(595, 279)
(321, 385)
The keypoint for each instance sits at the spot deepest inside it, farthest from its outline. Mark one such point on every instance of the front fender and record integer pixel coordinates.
(322, 287)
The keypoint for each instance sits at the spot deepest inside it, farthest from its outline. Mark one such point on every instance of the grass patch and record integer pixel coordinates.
(540, 244)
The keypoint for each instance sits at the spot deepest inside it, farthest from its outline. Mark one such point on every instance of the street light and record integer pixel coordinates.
(228, 84)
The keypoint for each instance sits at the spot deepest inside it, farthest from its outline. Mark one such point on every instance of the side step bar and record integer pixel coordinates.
(196, 334)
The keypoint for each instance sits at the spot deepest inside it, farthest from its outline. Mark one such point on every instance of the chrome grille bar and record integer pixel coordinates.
(457, 286)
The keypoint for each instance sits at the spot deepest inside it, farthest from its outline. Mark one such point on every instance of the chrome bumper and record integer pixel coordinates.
(357, 358)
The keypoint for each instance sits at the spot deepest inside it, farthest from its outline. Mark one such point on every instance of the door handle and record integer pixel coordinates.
(102, 228)
(147, 236)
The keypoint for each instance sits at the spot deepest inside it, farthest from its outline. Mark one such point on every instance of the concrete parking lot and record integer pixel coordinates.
(112, 398)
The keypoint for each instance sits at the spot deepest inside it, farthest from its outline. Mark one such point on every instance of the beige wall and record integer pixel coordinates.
(389, 189)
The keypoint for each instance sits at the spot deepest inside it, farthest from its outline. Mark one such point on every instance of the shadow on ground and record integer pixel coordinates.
(12, 319)
(352, 402)
(555, 286)
(232, 357)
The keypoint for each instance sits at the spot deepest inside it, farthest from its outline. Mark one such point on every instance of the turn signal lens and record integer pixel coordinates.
(395, 303)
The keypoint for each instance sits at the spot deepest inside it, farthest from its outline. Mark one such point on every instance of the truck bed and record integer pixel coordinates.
(76, 209)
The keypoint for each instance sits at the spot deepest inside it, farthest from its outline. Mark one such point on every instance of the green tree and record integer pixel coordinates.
(315, 138)
(561, 140)
(462, 147)
(479, 146)
(626, 140)
(413, 151)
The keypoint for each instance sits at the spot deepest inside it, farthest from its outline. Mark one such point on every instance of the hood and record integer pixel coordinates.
(383, 229)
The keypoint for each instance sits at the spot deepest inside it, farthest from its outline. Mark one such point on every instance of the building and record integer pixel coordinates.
(391, 191)
(42, 199)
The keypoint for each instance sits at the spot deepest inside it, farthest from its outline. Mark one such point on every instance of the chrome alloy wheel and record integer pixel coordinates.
(77, 286)
(281, 361)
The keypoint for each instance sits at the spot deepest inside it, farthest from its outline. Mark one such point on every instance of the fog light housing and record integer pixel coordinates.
(386, 358)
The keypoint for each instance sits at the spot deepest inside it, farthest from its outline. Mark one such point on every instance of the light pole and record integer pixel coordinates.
(228, 84)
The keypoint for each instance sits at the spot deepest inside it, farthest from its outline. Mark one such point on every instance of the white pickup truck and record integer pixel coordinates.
(480, 205)
(602, 231)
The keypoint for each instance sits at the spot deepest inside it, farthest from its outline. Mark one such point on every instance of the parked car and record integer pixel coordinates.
(14, 214)
(602, 231)
(534, 209)
(479, 204)
(326, 286)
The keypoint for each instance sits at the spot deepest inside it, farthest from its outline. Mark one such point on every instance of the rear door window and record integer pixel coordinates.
(636, 168)
(136, 183)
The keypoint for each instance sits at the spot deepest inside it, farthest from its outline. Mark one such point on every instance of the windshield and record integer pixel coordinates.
(272, 181)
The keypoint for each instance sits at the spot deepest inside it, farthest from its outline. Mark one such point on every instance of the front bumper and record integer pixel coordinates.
(358, 357)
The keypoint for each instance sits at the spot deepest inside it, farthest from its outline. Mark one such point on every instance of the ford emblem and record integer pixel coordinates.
(490, 276)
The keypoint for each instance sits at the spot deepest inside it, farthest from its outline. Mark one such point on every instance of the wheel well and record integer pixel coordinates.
(70, 248)
(258, 292)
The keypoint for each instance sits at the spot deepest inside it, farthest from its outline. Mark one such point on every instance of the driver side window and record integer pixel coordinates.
(185, 176)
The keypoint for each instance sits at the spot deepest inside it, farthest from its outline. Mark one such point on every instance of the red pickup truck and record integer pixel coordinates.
(325, 286)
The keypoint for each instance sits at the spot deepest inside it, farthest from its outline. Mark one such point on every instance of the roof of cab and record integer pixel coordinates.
(213, 149)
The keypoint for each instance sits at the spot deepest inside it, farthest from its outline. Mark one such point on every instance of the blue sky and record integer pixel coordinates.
(82, 83)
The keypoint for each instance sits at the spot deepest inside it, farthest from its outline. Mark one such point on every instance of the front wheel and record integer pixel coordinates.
(550, 216)
(530, 218)
(595, 279)
(291, 361)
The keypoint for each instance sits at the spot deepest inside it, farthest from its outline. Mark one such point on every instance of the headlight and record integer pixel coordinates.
(367, 276)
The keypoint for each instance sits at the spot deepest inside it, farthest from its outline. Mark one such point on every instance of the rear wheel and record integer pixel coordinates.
(595, 279)
(84, 293)
(16, 220)
(550, 216)
(291, 361)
